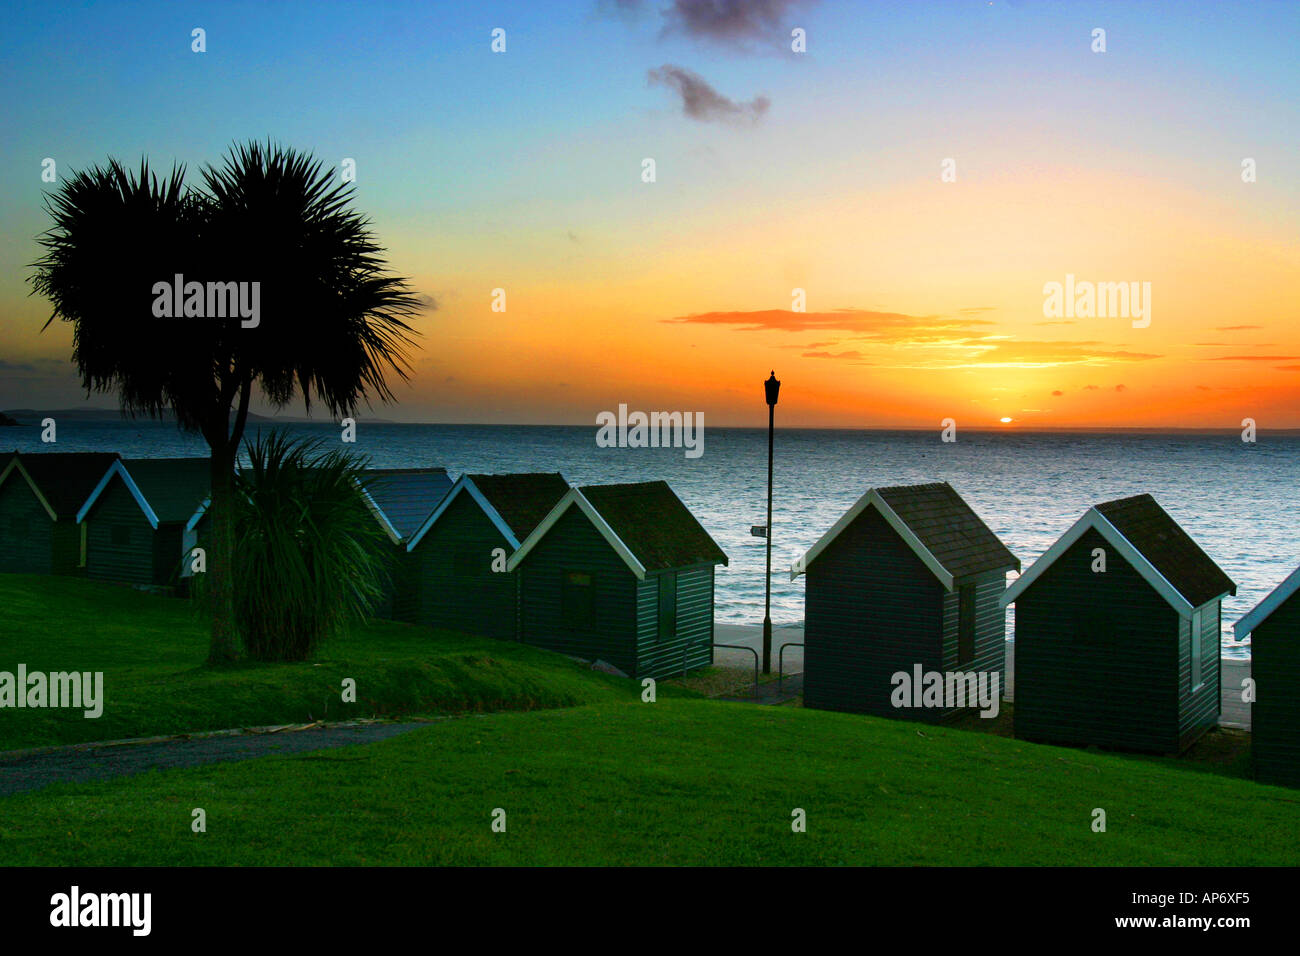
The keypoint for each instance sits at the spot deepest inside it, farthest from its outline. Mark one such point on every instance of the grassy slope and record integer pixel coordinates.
(680, 781)
(151, 650)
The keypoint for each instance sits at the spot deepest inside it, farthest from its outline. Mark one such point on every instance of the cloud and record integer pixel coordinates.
(1060, 322)
(1235, 328)
(851, 354)
(1121, 388)
(1058, 393)
(1253, 358)
(978, 308)
(741, 24)
(879, 325)
(1091, 388)
(702, 102)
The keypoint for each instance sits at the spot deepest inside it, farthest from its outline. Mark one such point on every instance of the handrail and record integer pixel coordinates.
(745, 647)
(780, 664)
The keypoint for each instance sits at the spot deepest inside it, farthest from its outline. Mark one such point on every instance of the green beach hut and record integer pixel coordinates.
(622, 573)
(401, 499)
(1118, 634)
(907, 582)
(457, 558)
(1273, 627)
(40, 495)
(136, 519)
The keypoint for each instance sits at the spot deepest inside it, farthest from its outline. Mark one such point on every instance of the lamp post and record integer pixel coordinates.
(772, 388)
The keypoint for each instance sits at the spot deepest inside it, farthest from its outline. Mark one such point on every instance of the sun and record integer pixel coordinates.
(1005, 421)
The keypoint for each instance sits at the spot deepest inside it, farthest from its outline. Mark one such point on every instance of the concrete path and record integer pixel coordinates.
(1233, 712)
(27, 770)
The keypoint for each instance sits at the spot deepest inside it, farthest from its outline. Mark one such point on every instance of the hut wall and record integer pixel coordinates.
(1275, 715)
(663, 648)
(449, 580)
(26, 530)
(872, 609)
(989, 638)
(561, 614)
(120, 540)
(1096, 656)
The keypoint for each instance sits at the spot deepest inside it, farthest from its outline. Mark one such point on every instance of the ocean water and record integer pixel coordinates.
(1237, 500)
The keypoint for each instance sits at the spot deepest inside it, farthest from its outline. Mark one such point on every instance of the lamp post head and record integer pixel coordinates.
(772, 387)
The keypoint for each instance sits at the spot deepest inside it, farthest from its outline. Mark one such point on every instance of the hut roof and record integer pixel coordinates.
(403, 497)
(515, 504)
(645, 523)
(62, 480)
(936, 523)
(1150, 540)
(1261, 611)
(166, 489)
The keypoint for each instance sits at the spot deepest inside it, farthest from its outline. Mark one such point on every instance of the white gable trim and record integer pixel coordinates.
(1261, 611)
(378, 512)
(117, 468)
(17, 465)
(463, 483)
(1094, 519)
(198, 514)
(574, 497)
(873, 499)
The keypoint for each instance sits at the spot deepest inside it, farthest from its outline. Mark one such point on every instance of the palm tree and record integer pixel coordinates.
(331, 326)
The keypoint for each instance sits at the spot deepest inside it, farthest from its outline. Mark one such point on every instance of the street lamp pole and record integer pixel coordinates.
(772, 388)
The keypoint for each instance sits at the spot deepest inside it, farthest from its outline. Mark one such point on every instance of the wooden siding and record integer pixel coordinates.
(1275, 715)
(130, 562)
(436, 590)
(26, 531)
(1097, 656)
(990, 651)
(573, 545)
(691, 643)
(872, 609)
(1198, 709)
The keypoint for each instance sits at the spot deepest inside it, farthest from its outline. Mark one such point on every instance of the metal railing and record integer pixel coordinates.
(780, 664)
(743, 647)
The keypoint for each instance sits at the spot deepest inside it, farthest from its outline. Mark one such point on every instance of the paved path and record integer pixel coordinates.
(1233, 712)
(22, 771)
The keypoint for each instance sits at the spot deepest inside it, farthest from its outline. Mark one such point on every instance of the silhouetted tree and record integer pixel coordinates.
(330, 325)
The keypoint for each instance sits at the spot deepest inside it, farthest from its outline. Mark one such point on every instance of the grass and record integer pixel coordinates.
(680, 781)
(151, 650)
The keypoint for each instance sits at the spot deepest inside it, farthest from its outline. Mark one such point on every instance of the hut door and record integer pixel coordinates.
(667, 605)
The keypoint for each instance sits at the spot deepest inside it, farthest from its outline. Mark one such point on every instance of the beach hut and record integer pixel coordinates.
(1273, 627)
(136, 519)
(1117, 634)
(40, 494)
(401, 499)
(908, 581)
(456, 560)
(620, 573)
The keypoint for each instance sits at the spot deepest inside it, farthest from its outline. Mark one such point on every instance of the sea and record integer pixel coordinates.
(1236, 499)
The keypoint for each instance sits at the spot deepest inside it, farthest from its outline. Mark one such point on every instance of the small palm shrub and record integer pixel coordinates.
(310, 558)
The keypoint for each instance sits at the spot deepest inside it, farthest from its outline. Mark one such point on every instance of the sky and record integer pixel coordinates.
(877, 218)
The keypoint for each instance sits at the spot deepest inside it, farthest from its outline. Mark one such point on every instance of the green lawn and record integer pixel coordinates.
(151, 650)
(675, 782)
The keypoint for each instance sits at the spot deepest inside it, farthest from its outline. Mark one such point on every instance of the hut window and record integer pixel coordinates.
(577, 606)
(667, 605)
(1197, 677)
(120, 536)
(965, 623)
